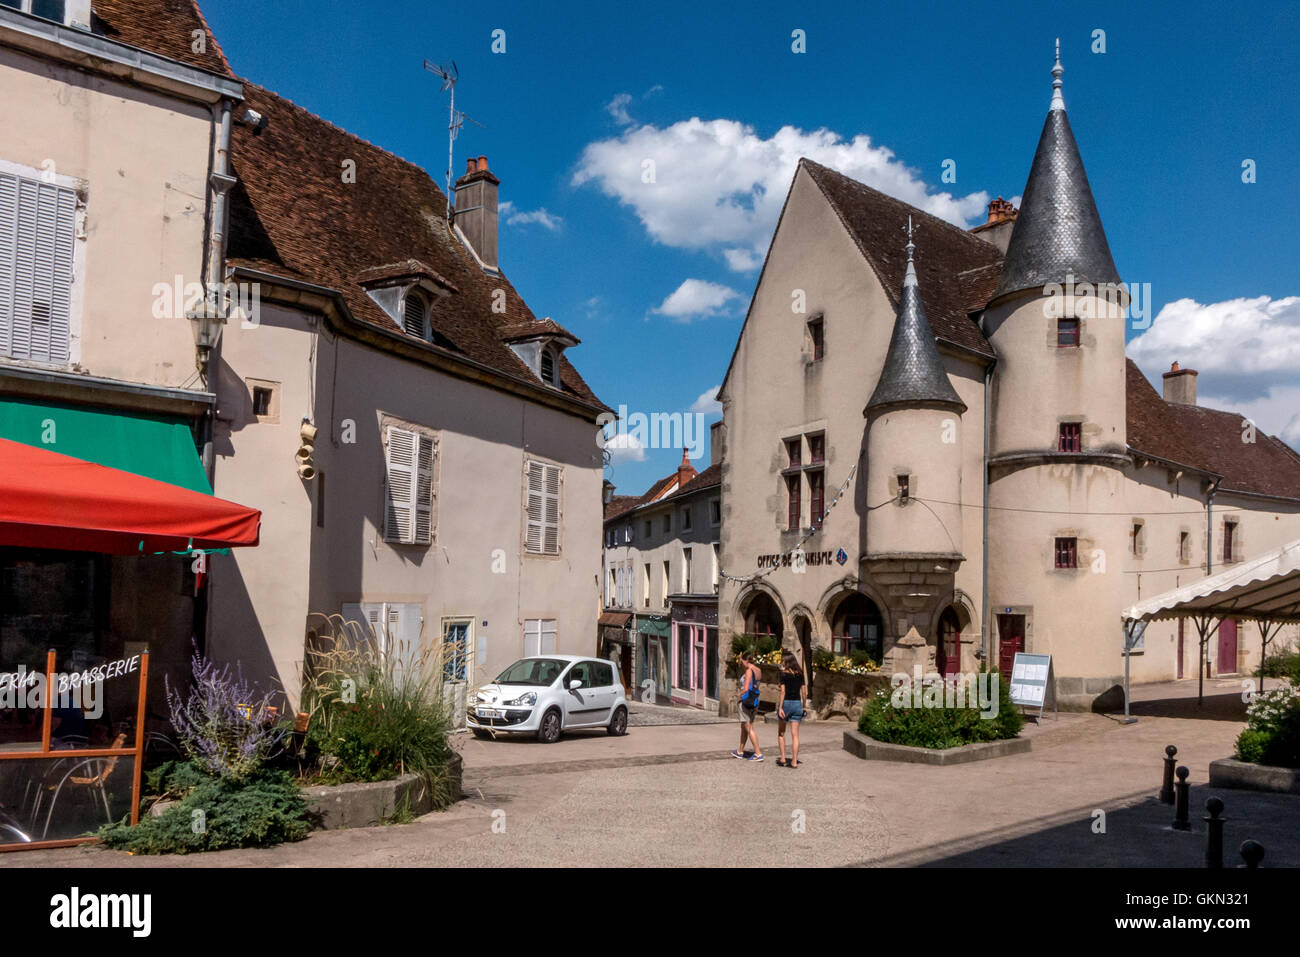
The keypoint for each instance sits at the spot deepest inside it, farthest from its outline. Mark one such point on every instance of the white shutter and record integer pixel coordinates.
(551, 513)
(424, 492)
(370, 616)
(398, 518)
(37, 239)
(534, 513)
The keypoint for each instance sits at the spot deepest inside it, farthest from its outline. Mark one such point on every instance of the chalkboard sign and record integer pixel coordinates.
(1030, 675)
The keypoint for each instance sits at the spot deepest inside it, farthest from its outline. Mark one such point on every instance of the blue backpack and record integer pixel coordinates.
(750, 698)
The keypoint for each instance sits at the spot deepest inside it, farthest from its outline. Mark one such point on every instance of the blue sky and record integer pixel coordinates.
(1183, 93)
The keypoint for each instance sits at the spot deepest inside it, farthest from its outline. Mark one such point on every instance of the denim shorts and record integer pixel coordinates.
(793, 710)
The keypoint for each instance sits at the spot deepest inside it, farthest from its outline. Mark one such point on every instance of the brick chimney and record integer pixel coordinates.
(685, 471)
(1180, 385)
(476, 210)
(1001, 221)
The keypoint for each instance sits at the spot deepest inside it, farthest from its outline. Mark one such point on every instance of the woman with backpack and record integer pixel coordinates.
(790, 708)
(748, 708)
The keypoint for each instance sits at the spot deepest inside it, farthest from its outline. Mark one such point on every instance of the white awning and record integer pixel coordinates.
(1266, 588)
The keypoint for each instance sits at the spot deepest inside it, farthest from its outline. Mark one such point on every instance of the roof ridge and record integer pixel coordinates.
(212, 36)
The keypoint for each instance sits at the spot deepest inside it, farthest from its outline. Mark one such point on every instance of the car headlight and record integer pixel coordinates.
(524, 699)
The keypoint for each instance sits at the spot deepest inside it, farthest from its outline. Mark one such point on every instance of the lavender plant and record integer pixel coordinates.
(225, 726)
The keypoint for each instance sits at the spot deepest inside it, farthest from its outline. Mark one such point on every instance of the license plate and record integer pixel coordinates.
(489, 713)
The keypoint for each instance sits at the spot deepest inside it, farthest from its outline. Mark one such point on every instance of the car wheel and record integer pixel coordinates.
(618, 723)
(481, 734)
(548, 732)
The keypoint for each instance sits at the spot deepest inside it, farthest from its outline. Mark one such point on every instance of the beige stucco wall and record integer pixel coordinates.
(774, 392)
(476, 568)
(925, 445)
(142, 160)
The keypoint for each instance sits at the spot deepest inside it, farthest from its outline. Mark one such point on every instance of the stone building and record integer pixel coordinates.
(937, 429)
(659, 617)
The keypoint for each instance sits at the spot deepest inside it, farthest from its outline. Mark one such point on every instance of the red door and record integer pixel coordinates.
(1011, 638)
(1228, 646)
(949, 650)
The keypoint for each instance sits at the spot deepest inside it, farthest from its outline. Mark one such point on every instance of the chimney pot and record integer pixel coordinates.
(482, 163)
(471, 165)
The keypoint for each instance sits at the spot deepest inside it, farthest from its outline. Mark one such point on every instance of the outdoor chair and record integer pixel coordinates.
(87, 774)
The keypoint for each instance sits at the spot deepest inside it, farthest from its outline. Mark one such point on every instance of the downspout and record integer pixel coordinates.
(985, 611)
(221, 181)
(1209, 567)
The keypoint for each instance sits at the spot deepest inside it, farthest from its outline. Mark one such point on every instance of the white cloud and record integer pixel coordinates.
(1247, 352)
(519, 217)
(625, 447)
(719, 185)
(708, 403)
(617, 108)
(696, 299)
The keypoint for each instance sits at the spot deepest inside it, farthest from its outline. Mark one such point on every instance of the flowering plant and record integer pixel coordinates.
(1272, 733)
(224, 726)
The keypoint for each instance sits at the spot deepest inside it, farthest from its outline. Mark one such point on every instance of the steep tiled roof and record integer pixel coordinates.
(622, 504)
(293, 215)
(1208, 439)
(164, 27)
(957, 270)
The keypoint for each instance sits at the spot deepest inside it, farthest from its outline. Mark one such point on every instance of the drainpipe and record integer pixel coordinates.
(1204, 648)
(985, 611)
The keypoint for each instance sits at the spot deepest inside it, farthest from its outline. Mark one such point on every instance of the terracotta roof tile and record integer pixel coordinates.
(957, 270)
(164, 27)
(1208, 439)
(292, 215)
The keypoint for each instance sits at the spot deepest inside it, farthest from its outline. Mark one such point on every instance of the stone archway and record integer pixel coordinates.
(762, 616)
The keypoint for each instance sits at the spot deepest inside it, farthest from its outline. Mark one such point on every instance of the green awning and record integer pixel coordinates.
(156, 446)
(648, 626)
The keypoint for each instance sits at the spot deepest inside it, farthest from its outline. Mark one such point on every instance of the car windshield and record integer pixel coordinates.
(532, 671)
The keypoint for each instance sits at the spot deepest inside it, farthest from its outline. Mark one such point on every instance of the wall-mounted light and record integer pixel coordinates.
(208, 320)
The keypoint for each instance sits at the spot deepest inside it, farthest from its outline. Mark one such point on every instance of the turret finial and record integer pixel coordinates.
(909, 278)
(1058, 101)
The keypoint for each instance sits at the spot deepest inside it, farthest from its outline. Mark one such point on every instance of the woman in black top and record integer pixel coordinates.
(791, 707)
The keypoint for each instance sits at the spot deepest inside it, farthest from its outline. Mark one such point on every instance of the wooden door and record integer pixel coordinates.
(948, 653)
(1011, 638)
(1228, 646)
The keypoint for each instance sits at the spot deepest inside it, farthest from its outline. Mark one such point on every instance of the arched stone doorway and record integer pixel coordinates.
(858, 626)
(763, 617)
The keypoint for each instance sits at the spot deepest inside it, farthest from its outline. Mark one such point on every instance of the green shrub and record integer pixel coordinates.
(759, 645)
(823, 659)
(940, 727)
(263, 809)
(1283, 664)
(1272, 732)
(374, 717)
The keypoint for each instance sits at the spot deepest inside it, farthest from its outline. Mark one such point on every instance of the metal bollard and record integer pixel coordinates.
(1167, 785)
(1252, 852)
(1180, 801)
(1214, 834)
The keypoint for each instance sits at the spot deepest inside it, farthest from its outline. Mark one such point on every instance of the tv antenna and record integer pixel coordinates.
(450, 74)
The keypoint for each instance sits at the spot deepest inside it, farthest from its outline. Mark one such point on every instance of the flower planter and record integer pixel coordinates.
(833, 694)
(336, 806)
(869, 749)
(1231, 773)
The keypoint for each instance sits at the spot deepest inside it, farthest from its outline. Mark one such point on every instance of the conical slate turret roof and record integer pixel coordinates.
(913, 373)
(1058, 232)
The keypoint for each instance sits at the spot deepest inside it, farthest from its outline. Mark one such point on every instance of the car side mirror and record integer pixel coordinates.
(575, 684)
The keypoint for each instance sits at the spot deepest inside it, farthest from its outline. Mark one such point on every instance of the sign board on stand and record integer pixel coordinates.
(1031, 682)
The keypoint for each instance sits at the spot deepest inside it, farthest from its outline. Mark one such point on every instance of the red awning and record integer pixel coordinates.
(48, 500)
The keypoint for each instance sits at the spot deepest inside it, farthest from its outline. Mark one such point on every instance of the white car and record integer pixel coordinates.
(549, 695)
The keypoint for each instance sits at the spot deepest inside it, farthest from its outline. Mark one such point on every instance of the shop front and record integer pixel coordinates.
(695, 651)
(654, 656)
(98, 567)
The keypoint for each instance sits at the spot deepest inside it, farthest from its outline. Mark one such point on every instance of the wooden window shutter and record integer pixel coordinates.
(424, 492)
(536, 508)
(551, 515)
(37, 239)
(399, 524)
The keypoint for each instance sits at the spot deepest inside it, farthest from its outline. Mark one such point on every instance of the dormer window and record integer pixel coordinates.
(549, 374)
(415, 314)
